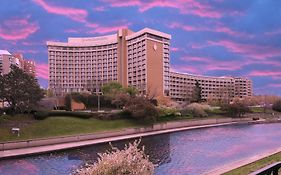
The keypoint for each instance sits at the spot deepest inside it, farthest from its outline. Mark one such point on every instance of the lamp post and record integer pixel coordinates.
(100, 81)
(98, 101)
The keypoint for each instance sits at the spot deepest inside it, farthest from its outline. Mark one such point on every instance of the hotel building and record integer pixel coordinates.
(140, 59)
(182, 86)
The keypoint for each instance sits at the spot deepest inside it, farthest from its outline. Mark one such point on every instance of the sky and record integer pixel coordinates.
(209, 37)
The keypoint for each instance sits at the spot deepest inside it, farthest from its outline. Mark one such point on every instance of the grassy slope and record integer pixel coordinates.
(59, 126)
(256, 165)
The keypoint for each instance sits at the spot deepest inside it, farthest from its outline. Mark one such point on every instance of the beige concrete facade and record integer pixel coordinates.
(85, 64)
(139, 59)
(182, 86)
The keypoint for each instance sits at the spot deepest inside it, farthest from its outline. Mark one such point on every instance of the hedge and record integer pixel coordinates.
(41, 115)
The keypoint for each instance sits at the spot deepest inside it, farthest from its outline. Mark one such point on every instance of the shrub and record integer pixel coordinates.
(90, 101)
(131, 160)
(277, 106)
(196, 110)
(168, 112)
(236, 109)
(140, 108)
(40, 115)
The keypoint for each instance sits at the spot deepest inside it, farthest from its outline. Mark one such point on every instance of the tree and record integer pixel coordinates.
(197, 93)
(142, 109)
(236, 109)
(20, 90)
(112, 88)
(277, 106)
(131, 91)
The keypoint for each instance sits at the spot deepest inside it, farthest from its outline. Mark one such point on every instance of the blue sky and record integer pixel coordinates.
(209, 37)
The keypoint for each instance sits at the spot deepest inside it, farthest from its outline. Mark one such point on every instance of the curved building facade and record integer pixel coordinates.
(140, 59)
(182, 86)
(130, 58)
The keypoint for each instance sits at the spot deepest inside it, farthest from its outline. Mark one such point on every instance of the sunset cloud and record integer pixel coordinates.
(99, 9)
(265, 73)
(185, 69)
(215, 28)
(75, 14)
(17, 28)
(42, 70)
(249, 50)
(109, 29)
(211, 64)
(191, 7)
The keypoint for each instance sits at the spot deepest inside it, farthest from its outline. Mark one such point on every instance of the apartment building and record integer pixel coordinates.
(182, 86)
(140, 59)
(7, 59)
(29, 67)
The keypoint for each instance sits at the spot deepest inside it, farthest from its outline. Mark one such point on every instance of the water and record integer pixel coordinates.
(180, 153)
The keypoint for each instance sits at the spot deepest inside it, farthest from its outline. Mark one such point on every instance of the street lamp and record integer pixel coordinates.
(99, 93)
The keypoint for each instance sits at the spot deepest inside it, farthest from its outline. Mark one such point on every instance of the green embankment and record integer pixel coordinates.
(249, 168)
(57, 126)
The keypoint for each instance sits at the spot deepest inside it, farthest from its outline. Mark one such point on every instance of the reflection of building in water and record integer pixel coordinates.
(157, 147)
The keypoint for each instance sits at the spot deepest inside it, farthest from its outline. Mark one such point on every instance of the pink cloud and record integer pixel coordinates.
(210, 64)
(174, 49)
(185, 69)
(218, 28)
(99, 9)
(75, 14)
(191, 7)
(42, 71)
(275, 32)
(32, 43)
(250, 50)
(17, 28)
(108, 29)
(265, 73)
(275, 85)
(72, 31)
(27, 51)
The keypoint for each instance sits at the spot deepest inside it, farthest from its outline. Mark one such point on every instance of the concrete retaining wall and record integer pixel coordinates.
(155, 127)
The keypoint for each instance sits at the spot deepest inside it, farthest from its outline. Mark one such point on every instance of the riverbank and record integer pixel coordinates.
(256, 165)
(33, 146)
(244, 166)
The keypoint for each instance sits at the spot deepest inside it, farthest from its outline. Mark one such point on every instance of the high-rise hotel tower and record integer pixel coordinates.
(140, 59)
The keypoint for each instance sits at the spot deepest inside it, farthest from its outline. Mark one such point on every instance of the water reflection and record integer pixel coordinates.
(187, 152)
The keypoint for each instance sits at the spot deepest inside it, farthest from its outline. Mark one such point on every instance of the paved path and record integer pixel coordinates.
(237, 164)
(48, 148)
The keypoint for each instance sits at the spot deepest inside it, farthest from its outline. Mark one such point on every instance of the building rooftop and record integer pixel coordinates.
(4, 52)
(104, 40)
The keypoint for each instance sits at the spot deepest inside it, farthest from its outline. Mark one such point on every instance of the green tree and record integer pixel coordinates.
(20, 90)
(112, 88)
(131, 91)
(197, 93)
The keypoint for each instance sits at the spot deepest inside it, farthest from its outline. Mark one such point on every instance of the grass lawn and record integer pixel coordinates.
(257, 109)
(66, 125)
(57, 126)
(256, 165)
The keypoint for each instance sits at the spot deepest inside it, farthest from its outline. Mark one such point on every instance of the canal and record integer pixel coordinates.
(179, 153)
